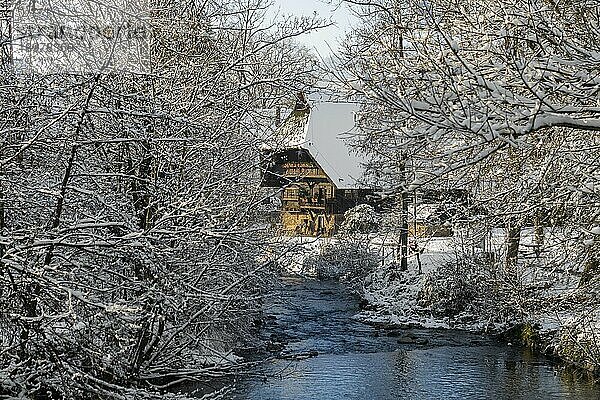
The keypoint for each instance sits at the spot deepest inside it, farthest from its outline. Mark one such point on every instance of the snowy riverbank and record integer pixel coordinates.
(541, 303)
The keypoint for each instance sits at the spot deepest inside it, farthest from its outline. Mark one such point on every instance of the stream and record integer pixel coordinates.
(322, 353)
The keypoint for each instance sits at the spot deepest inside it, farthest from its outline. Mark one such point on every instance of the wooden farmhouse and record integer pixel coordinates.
(317, 170)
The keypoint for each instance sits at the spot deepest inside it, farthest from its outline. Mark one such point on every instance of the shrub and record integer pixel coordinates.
(345, 260)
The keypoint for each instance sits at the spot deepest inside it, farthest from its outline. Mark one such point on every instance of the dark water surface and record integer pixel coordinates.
(326, 354)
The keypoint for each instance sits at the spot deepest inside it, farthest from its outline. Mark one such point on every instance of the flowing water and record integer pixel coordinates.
(323, 353)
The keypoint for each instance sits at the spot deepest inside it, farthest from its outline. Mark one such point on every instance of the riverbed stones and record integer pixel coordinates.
(300, 356)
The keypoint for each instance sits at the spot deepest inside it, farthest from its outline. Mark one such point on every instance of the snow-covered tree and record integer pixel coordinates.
(500, 98)
(450, 84)
(132, 242)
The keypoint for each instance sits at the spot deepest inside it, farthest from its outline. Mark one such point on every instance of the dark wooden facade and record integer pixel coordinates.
(311, 205)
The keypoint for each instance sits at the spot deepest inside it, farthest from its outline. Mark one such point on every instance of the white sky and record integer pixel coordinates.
(323, 38)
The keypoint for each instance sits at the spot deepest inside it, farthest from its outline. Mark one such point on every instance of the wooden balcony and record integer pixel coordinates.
(312, 203)
(304, 174)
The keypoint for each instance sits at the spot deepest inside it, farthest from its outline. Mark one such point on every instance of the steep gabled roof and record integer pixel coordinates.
(325, 130)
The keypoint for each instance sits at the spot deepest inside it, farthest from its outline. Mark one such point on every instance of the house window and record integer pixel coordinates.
(290, 193)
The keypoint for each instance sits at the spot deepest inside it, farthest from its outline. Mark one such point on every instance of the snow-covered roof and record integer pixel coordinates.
(325, 132)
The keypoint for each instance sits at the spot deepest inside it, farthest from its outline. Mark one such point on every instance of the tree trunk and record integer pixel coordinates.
(589, 270)
(140, 187)
(2, 226)
(538, 235)
(404, 233)
(402, 254)
(513, 238)
(58, 209)
(152, 322)
(148, 338)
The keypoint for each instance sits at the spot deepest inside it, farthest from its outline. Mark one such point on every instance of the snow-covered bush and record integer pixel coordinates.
(361, 219)
(475, 289)
(345, 260)
(347, 256)
(450, 290)
(579, 341)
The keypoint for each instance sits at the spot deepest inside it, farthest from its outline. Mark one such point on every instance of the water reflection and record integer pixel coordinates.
(354, 362)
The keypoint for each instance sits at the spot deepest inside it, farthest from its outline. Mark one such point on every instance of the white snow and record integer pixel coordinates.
(327, 134)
